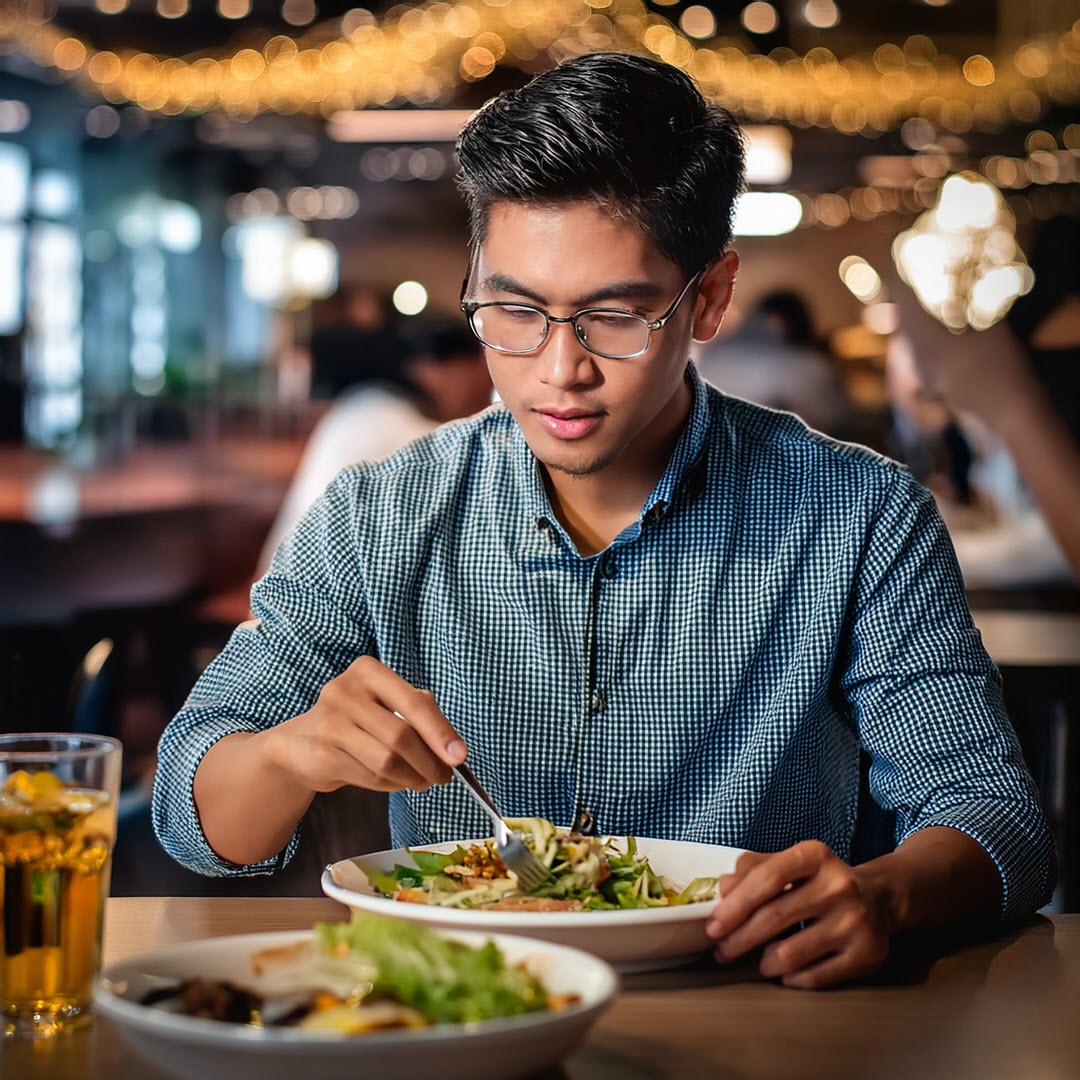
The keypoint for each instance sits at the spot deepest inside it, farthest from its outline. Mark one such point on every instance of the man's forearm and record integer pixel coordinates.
(248, 806)
(937, 877)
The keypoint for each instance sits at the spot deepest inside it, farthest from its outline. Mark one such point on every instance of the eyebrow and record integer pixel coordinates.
(616, 290)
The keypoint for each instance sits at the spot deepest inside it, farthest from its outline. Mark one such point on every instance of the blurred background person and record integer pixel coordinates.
(774, 358)
(358, 345)
(991, 420)
(444, 377)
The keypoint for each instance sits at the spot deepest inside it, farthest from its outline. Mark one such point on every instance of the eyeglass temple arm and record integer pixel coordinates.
(468, 275)
(658, 324)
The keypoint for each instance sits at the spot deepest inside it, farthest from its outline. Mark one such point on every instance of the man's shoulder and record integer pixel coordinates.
(783, 447)
(758, 431)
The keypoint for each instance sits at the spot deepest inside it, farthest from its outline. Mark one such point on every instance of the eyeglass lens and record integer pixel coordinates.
(516, 328)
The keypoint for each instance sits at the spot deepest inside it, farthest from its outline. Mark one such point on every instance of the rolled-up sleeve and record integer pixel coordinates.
(927, 704)
(311, 623)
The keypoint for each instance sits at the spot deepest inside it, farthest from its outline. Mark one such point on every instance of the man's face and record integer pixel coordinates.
(580, 412)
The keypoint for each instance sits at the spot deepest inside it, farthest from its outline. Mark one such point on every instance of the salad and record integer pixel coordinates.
(587, 874)
(370, 973)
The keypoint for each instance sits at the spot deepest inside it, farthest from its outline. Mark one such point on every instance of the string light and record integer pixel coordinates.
(697, 21)
(419, 55)
(822, 14)
(172, 9)
(298, 12)
(234, 9)
(760, 18)
(861, 278)
(961, 258)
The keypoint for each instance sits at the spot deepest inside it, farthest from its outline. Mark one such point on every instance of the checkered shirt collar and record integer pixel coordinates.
(683, 475)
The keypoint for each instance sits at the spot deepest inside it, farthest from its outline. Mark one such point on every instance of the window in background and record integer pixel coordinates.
(14, 190)
(12, 242)
(14, 181)
(149, 320)
(53, 334)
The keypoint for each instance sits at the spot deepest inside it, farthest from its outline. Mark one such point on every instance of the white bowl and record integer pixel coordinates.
(632, 940)
(188, 1047)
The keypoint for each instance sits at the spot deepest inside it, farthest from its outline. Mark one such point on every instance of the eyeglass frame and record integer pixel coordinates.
(470, 307)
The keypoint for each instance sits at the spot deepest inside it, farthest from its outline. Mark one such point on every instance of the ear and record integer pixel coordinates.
(714, 295)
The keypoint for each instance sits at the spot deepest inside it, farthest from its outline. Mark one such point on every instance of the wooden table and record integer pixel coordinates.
(1008, 1008)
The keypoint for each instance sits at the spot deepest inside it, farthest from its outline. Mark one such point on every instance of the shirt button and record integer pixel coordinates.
(597, 702)
(607, 567)
(543, 524)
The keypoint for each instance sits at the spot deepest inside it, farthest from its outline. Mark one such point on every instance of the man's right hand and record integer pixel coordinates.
(371, 729)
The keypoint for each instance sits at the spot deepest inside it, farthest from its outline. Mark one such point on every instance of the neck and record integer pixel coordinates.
(595, 508)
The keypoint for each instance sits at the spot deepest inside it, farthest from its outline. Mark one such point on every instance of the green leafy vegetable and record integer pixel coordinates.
(701, 888)
(433, 862)
(595, 872)
(447, 981)
(387, 884)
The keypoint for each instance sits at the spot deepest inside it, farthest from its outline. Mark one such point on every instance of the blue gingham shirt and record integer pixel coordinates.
(781, 601)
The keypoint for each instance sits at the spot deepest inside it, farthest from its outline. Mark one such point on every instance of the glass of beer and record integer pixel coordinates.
(57, 826)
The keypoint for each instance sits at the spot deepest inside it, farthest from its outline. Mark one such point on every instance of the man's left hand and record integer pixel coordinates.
(845, 917)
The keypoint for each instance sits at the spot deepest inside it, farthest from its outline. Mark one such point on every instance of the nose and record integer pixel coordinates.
(564, 361)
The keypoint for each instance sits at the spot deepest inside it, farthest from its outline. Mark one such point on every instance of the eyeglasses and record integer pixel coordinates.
(615, 334)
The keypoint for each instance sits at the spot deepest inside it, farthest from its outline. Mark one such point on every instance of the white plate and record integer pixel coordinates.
(631, 940)
(189, 1047)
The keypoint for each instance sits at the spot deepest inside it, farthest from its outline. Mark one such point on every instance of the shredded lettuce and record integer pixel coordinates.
(596, 872)
(701, 888)
(446, 981)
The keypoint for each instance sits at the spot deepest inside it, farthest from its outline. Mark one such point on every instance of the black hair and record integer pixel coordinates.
(792, 312)
(631, 133)
(442, 340)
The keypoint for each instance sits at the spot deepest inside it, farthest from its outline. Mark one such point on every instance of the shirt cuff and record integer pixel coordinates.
(1022, 850)
(176, 818)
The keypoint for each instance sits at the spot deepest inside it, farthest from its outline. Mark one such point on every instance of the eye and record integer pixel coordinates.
(611, 319)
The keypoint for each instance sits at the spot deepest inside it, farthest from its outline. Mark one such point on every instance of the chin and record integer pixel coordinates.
(583, 462)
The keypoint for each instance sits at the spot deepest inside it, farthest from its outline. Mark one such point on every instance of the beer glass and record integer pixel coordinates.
(58, 797)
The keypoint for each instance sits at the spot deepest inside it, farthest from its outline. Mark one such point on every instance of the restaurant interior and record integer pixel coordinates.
(218, 217)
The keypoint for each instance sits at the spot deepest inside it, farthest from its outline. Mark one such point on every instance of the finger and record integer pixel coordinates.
(416, 707)
(383, 762)
(838, 968)
(806, 901)
(766, 880)
(396, 733)
(348, 771)
(791, 954)
(746, 862)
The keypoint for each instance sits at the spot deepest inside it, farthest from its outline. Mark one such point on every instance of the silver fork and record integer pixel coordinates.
(528, 869)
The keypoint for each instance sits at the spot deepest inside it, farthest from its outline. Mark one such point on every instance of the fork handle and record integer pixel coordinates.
(476, 789)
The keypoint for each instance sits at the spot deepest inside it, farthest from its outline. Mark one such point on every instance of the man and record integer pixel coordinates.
(636, 604)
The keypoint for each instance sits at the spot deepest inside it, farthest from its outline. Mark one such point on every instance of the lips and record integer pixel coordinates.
(568, 423)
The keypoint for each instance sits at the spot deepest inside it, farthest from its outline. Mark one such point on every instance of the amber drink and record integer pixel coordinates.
(57, 826)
